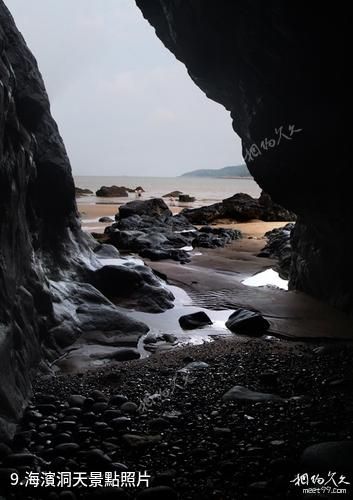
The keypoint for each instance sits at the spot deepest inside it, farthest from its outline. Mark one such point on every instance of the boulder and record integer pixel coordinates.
(153, 207)
(82, 192)
(246, 322)
(194, 320)
(136, 286)
(112, 192)
(173, 194)
(204, 215)
(108, 220)
(186, 198)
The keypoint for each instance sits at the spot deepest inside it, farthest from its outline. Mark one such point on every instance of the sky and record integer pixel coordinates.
(123, 103)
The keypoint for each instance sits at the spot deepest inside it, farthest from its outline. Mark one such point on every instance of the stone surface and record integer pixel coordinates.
(112, 192)
(154, 207)
(279, 247)
(39, 227)
(194, 320)
(134, 286)
(246, 322)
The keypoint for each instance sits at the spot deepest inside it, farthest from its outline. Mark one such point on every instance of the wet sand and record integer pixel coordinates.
(214, 279)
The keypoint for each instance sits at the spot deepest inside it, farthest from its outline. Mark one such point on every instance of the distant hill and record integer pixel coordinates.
(225, 172)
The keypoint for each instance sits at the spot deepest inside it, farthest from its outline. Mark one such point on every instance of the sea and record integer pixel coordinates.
(205, 190)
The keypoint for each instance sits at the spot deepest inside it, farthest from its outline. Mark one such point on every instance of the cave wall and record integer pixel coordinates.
(40, 236)
(281, 69)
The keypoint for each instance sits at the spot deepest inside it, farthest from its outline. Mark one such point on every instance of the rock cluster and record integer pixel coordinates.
(148, 227)
(241, 208)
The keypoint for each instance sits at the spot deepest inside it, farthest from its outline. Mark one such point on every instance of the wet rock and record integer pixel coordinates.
(108, 318)
(186, 198)
(240, 392)
(209, 237)
(194, 320)
(246, 322)
(112, 192)
(330, 455)
(135, 286)
(204, 215)
(153, 207)
(172, 194)
(106, 251)
(106, 219)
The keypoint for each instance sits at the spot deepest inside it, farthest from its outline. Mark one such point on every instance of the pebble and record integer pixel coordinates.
(129, 407)
(117, 400)
(76, 400)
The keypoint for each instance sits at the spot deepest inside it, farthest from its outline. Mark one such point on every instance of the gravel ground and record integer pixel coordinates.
(193, 444)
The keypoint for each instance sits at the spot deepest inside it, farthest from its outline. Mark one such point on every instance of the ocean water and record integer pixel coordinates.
(205, 190)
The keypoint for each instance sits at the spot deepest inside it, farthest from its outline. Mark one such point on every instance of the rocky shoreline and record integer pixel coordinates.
(158, 415)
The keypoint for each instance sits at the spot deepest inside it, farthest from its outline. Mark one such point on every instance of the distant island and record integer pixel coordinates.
(225, 172)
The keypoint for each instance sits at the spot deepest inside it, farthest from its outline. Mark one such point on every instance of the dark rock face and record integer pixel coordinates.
(38, 217)
(264, 61)
(279, 247)
(45, 258)
(240, 207)
(112, 191)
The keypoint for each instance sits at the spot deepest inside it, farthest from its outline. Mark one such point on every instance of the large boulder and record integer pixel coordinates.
(242, 207)
(204, 215)
(133, 286)
(112, 192)
(153, 207)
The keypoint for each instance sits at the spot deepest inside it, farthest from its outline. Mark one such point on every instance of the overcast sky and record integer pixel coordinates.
(123, 103)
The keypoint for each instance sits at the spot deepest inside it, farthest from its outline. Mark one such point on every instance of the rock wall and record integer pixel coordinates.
(40, 236)
(280, 68)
